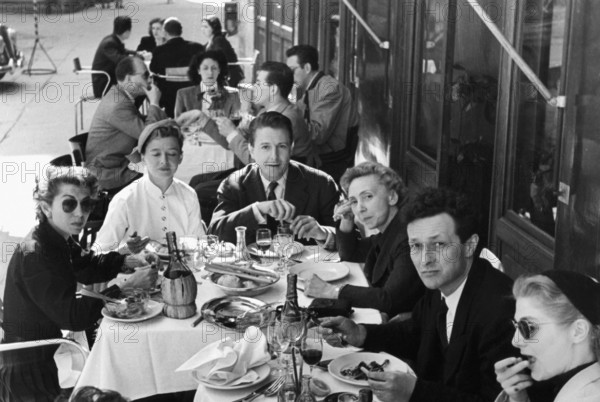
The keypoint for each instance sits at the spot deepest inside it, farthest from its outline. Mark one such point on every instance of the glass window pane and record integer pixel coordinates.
(429, 119)
(537, 136)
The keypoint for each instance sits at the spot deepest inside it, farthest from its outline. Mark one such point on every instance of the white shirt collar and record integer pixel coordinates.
(453, 299)
(153, 188)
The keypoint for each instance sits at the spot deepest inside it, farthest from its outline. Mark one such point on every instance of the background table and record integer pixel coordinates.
(207, 158)
(140, 359)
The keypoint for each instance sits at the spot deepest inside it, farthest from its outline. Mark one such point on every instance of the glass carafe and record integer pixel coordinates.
(241, 250)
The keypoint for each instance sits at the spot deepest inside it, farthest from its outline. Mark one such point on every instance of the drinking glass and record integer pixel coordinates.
(191, 133)
(263, 242)
(311, 348)
(212, 113)
(235, 117)
(189, 248)
(210, 247)
(284, 228)
(278, 345)
(280, 243)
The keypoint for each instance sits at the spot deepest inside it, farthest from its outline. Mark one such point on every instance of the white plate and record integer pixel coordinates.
(153, 309)
(328, 271)
(352, 360)
(270, 253)
(262, 371)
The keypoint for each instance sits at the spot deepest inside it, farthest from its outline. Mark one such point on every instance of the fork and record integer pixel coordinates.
(269, 391)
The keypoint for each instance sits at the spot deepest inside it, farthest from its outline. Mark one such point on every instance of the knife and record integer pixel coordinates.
(257, 392)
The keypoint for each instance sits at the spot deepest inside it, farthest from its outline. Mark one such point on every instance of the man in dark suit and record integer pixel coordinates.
(109, 53)
(173, 57)
(459, 328)
(273, 189)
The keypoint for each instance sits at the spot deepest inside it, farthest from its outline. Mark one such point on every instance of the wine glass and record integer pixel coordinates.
(189, 248)
(235, 117)
(278, 344)
(311, 349)
(280, 243)
(263, 242)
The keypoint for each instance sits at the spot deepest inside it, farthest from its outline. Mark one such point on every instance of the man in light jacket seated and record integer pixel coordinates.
(460, 328)
(273, 189)
(155, 204)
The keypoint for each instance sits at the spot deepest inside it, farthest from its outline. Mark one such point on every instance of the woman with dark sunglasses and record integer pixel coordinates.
(40, 296)
(558, 334)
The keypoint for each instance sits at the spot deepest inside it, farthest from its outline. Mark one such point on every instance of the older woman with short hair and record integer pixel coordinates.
(41, 283)
(157, 203)
(375, 193)
(558, 334)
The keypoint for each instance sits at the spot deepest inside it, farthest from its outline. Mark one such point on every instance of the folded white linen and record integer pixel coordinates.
(229, 362)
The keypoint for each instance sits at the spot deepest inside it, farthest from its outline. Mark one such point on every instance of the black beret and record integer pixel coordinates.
(582, 291)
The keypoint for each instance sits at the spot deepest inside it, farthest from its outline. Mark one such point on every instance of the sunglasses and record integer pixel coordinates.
(70, 204)
(528, 329)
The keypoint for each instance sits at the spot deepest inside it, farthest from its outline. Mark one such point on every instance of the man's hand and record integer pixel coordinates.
(153, 94)
(307, 227)
(392, 386)
(334, 328)
(280, 210)
(141, 260)
(317, 287)
(225, 126)
(514, 382)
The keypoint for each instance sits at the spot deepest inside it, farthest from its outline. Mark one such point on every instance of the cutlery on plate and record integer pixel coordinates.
(96, 295)
(268, 389)
(198, 320)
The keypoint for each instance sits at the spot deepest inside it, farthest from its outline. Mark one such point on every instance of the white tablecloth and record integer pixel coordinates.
(206, 158)
(139, 359)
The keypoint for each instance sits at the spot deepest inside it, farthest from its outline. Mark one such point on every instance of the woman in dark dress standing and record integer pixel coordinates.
(154, 38)
(211, 27)
(40, 295)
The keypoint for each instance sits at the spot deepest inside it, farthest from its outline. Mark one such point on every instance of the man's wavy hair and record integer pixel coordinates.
(431, 201)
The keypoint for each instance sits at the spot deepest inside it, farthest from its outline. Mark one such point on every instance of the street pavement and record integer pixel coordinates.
(37, 114)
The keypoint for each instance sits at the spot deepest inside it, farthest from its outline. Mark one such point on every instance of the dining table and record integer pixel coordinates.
(203, 155)
(140, 359)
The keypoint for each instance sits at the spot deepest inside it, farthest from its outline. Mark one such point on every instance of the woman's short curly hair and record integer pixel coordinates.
(52, 177)
(386, 176)
(215, 55)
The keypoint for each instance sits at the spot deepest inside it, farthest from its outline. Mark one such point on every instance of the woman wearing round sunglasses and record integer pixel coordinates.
(558, 334)
(40, 296)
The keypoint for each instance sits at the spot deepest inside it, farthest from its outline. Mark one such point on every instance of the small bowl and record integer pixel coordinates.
(249, 291)
(133, 304)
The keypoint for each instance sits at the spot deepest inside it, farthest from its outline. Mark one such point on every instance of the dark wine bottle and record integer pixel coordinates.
(365, 395)
(291, 314)
(176, 268)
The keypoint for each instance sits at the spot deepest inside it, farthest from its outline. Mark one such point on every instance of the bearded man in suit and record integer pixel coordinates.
(459, 328)
(274, 189)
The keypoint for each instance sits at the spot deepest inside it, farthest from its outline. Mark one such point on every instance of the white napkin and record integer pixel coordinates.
(228, 362)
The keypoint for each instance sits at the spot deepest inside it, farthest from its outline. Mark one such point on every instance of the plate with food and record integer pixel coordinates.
(232, 312)
(235, 286)
(262, 371)
(292, 250)
(130, 312)
(328, 271)
(350, 368)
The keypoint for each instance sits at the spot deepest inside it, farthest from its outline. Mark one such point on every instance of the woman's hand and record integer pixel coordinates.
(343, 212)
(514, 382)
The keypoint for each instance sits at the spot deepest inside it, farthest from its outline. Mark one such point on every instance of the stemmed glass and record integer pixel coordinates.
(280, 243)
(263, 242)
(210, 247)
(278, 342)
(311, 349)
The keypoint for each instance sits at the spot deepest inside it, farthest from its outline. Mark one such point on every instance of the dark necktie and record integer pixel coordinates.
(306, 107)
(441, 325)
(271, 222)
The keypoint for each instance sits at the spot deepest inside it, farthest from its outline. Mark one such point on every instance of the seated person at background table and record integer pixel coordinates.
(375, 194)
(155, 36)
(208, 71)
(274, 81)
(39, 298)
(459, 328)
(558, 334)
(175, 53)
(158, 202)
(118, 123)
(273, 188)
(211, 27)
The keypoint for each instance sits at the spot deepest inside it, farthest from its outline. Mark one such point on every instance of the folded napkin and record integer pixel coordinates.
(229, 362)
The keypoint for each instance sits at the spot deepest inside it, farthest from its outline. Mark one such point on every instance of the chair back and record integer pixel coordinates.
(176, 74)
(78, 143)
(77, 64)
(487, 254)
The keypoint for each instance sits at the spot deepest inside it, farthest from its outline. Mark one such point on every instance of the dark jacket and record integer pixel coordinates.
(176, 52)
(481, 335)
(147, 43)
(109, 53)
(394, 285)
(311, 191)
(236, 74)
